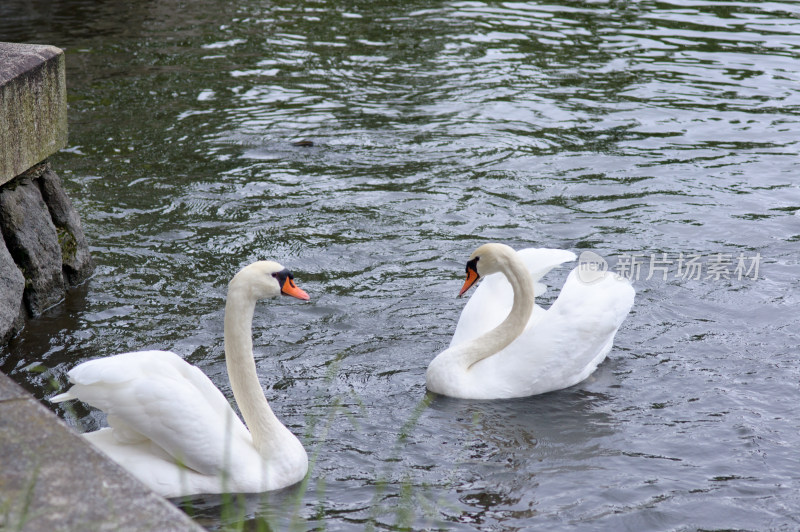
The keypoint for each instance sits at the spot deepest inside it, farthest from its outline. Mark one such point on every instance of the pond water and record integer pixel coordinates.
(654, 132)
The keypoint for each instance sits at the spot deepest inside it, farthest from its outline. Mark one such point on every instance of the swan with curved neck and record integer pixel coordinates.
(174, 430)
(531, 351)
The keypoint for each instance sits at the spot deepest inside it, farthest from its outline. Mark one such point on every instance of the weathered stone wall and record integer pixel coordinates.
(42, 246)
(33, 106)
(12, 285)
(43, 237)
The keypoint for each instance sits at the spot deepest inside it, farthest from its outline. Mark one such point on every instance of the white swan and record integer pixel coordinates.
(174, 430)
(505, 346)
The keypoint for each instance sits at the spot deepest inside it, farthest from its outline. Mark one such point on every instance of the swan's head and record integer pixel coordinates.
(486, 260)
(266, 279)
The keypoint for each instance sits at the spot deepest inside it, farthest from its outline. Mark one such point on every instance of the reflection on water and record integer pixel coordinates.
(623, 128)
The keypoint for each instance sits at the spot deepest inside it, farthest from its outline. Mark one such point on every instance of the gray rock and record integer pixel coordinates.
(32, 240)
(12, 285)
(77, 262)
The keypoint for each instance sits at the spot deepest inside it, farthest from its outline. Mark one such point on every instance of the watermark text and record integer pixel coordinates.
(666, 266)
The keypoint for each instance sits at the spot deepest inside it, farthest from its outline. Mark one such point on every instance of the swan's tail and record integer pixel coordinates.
(66, 396)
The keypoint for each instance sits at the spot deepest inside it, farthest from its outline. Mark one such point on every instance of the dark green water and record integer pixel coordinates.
(628, 128)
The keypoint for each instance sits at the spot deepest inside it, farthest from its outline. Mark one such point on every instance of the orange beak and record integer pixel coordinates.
(472, 278)
(291, 289)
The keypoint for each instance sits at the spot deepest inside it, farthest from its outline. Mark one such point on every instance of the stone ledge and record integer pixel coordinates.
(33, 106)
(53, 480)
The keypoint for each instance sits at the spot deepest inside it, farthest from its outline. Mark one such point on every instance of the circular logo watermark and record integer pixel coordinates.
(591, 267)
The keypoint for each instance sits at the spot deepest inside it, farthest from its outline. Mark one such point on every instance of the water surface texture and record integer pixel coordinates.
(651, 133)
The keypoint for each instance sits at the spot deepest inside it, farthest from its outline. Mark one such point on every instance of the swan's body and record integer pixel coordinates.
(174, 430)
(505, 346)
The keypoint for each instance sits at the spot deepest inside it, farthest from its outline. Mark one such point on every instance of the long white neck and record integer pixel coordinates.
(498, 338)
(260, 420)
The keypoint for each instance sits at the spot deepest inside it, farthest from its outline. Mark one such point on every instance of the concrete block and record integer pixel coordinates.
(11, 390)
(33, 106)
(54, 480)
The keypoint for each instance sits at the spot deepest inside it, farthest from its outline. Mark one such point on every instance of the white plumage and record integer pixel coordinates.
(174, 430)
(505, 346)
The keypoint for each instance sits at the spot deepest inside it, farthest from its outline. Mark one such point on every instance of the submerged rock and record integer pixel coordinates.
(77, 262)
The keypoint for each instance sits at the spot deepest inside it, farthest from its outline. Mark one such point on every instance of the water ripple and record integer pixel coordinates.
(645, 128)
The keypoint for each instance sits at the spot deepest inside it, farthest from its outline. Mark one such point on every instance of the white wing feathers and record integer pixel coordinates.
(491, 302)
(568, 341)
(157, 396)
